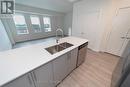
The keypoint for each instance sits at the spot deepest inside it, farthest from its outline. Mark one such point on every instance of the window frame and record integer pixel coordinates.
(40, 26)
(27, 29)
(49, 24)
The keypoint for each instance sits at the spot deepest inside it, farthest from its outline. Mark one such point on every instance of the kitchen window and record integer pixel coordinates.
(35, 23)
(47, 24)
(21, 26)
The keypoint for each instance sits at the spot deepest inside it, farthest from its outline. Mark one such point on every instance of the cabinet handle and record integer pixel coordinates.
(69, 56)
(30, 81)
(125, 37)
(34, 76)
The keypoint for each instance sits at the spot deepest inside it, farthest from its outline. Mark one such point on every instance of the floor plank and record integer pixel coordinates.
(96, 71)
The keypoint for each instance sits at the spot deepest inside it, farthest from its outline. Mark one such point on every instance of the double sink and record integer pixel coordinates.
(57, 48)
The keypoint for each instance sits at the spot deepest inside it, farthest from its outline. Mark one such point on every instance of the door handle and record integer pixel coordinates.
(127, 37)
(123, 37)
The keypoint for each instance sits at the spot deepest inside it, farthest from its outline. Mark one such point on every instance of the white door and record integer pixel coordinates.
(118, 36)
(90, 27)
(86, 25)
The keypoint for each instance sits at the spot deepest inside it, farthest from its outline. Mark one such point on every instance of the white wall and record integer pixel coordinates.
(67, 22)
(108, 10)
(83, 8)
(9, 31)
(5, 43)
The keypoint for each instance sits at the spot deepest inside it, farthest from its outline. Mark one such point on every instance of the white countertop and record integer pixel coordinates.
(17, 62)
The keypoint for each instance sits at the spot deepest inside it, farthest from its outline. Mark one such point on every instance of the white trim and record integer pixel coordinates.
(33, 13)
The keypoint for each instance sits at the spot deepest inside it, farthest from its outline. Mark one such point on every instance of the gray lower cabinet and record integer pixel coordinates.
(24, 81)
(43, 76)
(48, 75)
(60, 67)
(72, 55)
(63, 65)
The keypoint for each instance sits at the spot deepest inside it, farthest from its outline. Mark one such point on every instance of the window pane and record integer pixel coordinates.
(35, 24)
(20, 24)
(47, 24)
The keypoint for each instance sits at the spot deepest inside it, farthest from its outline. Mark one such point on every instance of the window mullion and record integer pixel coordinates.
(42, 23)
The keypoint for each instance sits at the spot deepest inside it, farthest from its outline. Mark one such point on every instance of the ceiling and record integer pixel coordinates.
(55, 5)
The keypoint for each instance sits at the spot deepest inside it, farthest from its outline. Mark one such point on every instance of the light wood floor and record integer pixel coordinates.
(96, 71)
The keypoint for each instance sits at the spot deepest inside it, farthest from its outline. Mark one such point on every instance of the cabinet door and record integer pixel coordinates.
(43, 76)
(24, 81)
(60, 68)
(72, 59)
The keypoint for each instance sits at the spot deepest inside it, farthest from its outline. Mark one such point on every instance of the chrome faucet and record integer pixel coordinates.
(57, 39)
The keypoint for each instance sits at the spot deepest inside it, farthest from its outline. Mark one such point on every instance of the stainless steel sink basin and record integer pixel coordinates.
(57, 48)
(66, 45)
(54, 49)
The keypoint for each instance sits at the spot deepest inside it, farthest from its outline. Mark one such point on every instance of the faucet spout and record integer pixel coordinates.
(59, 29)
